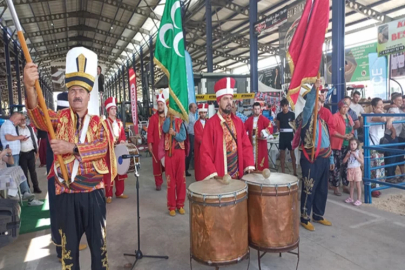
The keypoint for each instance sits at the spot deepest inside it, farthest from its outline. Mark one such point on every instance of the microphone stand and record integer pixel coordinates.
(138, 253)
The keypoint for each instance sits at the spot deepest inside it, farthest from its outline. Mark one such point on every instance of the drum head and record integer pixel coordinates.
(123, 164)
(213, 187)
(275, 179)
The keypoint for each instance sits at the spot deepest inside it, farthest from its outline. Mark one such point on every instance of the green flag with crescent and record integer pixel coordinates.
(169, 56)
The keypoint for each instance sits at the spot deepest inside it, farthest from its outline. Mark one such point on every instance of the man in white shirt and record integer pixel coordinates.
(10, 139)
(29, 148)
(356, 107)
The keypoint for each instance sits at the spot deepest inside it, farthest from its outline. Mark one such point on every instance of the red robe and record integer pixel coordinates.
(262, 156)
(326, 116)
(119, 179)
(213, 154)
(155, 135)
(198, 136)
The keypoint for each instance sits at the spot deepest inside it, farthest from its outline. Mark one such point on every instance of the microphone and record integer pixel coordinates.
(130, 156)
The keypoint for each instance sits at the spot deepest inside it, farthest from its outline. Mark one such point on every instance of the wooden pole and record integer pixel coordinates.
(171, 137)
(41, 99)
(315, 121)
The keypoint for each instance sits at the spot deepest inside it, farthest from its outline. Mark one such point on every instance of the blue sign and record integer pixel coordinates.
(378, 75)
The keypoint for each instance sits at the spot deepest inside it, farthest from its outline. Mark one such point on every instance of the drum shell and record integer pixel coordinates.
(219, 235)
(273, 218)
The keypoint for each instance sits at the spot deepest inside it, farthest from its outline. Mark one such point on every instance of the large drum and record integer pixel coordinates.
(273, 212)
(126, 165)
(218, 222)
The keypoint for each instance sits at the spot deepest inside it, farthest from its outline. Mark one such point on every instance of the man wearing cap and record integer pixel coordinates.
(155, 135)
(83, 142)
(259, 129)
(175, 154)
(61, 103)
(117, 134)
(225, 147)
(198, 133)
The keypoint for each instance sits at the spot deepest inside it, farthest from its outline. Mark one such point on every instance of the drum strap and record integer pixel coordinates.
(230, 131)
(81, 140)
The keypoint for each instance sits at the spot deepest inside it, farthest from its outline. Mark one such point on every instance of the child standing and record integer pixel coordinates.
(354, 174)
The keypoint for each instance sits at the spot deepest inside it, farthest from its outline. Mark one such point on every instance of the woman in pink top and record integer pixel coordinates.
(343, 132)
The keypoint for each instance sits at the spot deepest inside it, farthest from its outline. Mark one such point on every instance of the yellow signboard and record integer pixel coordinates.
(213, 97)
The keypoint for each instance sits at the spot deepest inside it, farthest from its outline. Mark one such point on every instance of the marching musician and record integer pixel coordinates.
(155, 135)
(225, 129)
(198, 133)
(175, 154)
(117, 134)
(83, 141)
(259, 129)
(61, 103)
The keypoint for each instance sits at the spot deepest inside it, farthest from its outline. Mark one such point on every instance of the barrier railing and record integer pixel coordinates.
(394, 148)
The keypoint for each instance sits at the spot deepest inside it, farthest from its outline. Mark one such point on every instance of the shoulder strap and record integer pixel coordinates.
(230, 131)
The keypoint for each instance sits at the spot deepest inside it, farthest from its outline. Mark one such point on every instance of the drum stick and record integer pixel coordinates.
(226, 179)
(41, 99)
(153, 156)
(265, 173)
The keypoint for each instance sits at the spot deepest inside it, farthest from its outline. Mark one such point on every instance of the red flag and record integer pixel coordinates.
(305, 51)
(134, 104)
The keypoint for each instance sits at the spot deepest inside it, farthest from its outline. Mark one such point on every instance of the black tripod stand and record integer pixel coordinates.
(138, 253)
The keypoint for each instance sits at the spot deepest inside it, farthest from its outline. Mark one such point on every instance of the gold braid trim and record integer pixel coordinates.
(65, 254)
(303, 81)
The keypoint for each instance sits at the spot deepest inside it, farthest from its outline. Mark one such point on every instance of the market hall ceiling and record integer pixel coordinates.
(116, 29)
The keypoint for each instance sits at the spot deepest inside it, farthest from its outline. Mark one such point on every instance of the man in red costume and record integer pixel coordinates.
(155, 135)
(175, 156)
(198, 136)
(259, 129)
(225, 129)
(117, 131)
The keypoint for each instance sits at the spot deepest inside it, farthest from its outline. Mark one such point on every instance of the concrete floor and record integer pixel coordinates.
(360, 238)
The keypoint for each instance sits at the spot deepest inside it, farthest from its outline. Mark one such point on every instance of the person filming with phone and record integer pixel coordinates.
(29, 148)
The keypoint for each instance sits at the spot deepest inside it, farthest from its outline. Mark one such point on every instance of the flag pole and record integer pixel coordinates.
(171, 137)
(41, 99)
(315, 120)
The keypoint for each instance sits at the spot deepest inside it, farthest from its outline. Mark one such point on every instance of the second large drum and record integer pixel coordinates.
(273, 212)
(218, 222)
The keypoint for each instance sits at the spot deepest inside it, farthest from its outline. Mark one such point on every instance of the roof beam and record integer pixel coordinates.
(62, 54)
(79, 14)
(130, 8)
(75, 38)
(367, 11)
(244, 60)
(232, 6)
(66, 49)
(80, 27)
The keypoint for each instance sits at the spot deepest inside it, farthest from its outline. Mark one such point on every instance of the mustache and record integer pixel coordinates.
(77, 99)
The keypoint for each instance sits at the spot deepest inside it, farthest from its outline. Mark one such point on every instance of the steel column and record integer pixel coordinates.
(8, 69)
(115, 87)
(208, 22)
(254, 58)
(119, 99)
(144, 89)
(338, 52)
(151, 65)
(123, 83)
(17, 71)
